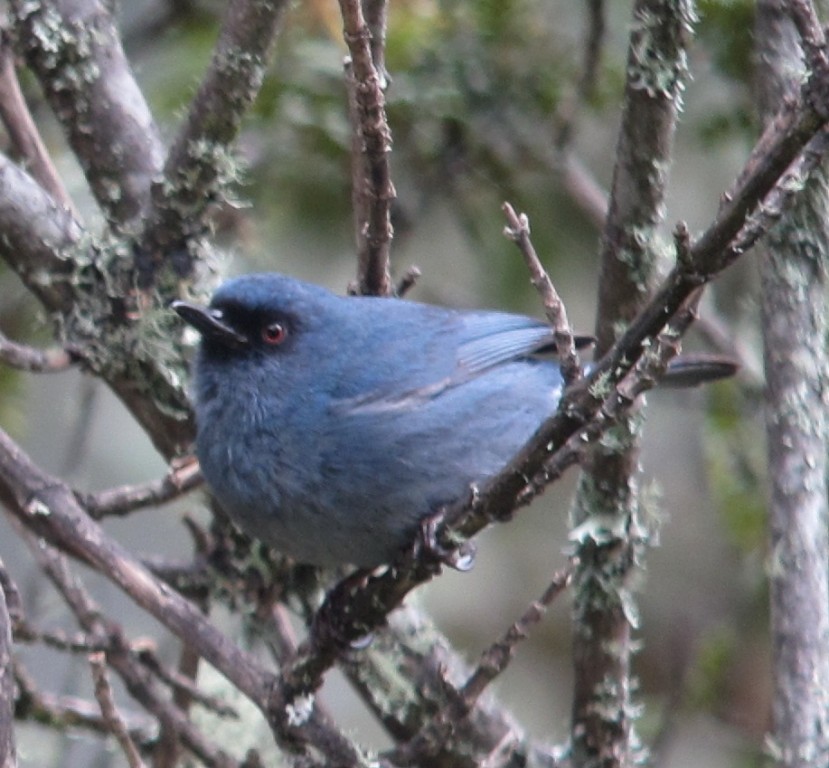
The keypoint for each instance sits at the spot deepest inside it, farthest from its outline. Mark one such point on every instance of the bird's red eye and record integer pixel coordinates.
(274, 333)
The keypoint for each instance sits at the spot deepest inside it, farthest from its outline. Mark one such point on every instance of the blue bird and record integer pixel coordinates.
(331, 426)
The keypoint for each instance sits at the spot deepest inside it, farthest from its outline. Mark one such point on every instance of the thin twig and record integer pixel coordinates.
(372, 188)
(120, 656)
(115, 723)
(497, 657)
(28, 358)
(22, 129)
(177, 681)
(8, 752)
(181, 479)
(518, 230)
(88, 82)
(63, 712)
(59, 640)
(494, 661)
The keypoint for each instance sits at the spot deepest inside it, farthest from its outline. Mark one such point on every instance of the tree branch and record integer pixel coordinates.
(199, 164)
(65, 712)
(372, 189)
(121, 501)
(432, 737)
(518, 230)
(606, 508)
(34, 360)
(114, 722)
(22, 130)
(794, 272)
(8, 754)
(74, 49)
(48, 508)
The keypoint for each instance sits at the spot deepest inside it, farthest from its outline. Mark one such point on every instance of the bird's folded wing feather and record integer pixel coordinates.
(491, 338)
(482, 341)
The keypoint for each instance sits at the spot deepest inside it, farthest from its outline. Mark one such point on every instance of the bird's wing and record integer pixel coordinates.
(492, 338)
(466, 346)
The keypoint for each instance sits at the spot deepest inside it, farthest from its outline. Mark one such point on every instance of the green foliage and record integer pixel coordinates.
(707, 680)
(725, 34)
(725, 29)
(735, 451)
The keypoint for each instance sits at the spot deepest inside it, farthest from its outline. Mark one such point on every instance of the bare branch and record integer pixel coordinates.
(91, 618)
(114, 722)
(8, 755)
(47, 508)
(494, 661)
(181, 479)
(583, 189)
(23, 131)
(177, 681)
(372, 188)
(29, 359)
(518, 230)
(64, 712)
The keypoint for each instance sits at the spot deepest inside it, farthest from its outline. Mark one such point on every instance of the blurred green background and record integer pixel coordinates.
(472, 106)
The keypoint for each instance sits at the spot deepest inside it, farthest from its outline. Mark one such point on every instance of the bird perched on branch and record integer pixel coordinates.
(331, 426)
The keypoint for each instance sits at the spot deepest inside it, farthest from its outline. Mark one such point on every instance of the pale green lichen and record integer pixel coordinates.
(658, 62)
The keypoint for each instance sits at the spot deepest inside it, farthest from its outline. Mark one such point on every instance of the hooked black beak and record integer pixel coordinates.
(208, 322)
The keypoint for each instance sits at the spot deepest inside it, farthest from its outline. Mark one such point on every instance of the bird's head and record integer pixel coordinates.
(253, 315)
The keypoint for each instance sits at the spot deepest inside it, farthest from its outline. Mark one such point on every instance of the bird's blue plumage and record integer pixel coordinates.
(367, 416)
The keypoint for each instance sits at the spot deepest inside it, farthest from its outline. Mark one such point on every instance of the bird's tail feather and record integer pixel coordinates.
(695, 368)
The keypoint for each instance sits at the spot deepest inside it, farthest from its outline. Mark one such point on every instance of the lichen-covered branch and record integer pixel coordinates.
(41, 241)
(605, 514)
(200, 164)
(75, 50)
(795, 319)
